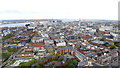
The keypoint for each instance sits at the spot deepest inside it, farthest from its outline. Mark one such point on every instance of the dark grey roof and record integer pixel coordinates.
(62, 49)
(82, 62)
(79, 53)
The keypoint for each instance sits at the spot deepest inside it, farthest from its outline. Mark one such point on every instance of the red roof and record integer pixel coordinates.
(26, 53)
(86, 37)
(27, 50)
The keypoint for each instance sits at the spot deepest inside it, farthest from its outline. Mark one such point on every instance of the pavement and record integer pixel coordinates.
(10, 58)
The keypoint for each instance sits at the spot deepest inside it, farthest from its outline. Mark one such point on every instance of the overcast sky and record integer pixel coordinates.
(59, 9)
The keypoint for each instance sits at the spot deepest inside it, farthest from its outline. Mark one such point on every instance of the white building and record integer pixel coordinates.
(48, 42)
(60, 42)
(103, 28)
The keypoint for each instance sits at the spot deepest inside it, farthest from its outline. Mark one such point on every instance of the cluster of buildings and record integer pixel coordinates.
(91, 42)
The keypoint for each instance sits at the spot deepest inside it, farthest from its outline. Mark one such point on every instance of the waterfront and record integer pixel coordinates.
(13, 24)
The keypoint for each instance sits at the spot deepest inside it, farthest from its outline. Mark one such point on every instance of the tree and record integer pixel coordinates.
(27, 64)
(0, 55)
(58, 54)
(52, 64)
(38, 66)
(99, 54)
(6, 55)
(12, 49)
(53, 58)
(60, 59)
(102, 39)
(70, 63)
(7, 36)
(18, 67)
(41, 63)
(75, 61)
(116, 43)
(112, 46)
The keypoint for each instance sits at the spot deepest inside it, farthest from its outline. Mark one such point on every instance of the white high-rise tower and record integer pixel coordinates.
(79, 23)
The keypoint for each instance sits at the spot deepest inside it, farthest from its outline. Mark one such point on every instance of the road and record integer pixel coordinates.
(82, 57)
(33, 65)
(11, 57)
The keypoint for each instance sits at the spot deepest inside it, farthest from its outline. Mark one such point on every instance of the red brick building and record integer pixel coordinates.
(64, 51)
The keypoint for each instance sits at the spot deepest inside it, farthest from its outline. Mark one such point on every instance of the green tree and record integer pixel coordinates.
(7, 36)
(38, 66)
(70, 63)
(60, 59)
(6, 55)
(99, 54)
(116, 43)
(27, 64)
(12, 49)
(52, 64)
(112, 46)
(102, 39)
(58, 54)
(53, 58)
(75, 61)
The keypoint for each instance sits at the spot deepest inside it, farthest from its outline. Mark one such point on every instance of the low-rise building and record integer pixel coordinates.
(30, 54)
(104, 59)
(36, 39)
(60, 42)
(64, 51)
(48, 42)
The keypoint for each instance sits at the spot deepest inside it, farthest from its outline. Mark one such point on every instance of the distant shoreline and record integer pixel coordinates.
(13, 24)
(64, 20)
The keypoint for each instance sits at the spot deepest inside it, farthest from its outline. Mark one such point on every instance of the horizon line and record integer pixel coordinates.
(59, 19)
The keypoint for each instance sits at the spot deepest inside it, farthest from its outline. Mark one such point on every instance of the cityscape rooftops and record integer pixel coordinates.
(98, 42)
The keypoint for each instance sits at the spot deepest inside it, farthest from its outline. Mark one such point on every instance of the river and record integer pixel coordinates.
(13, 24)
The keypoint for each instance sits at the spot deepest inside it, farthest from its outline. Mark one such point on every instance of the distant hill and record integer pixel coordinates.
(60, 20)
